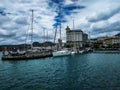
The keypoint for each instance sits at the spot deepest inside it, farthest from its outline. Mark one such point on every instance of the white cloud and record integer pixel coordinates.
(67, 2)
(100, 17)
(104, 13)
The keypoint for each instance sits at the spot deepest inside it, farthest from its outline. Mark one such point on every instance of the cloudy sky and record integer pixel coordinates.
(96, 17)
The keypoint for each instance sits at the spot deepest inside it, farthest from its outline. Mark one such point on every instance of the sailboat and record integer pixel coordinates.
(60, 52)
(16, 51)
(74, 49)
(27, 53)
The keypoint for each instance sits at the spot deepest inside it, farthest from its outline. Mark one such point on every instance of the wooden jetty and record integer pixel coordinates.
(27, 56)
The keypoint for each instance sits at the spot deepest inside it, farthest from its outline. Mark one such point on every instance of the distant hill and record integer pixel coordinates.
(34, 44)
(22, 46)
(118, 34)
(47, 43)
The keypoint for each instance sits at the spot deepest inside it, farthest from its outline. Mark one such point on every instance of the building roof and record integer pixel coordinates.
(113, 37)
(73, 30)
(78, 30)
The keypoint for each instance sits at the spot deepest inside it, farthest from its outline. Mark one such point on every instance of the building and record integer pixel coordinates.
(107, 42)
(111, 41)
(76, 38)
(85, 37)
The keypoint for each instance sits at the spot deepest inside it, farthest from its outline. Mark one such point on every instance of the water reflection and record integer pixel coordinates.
(79, 72)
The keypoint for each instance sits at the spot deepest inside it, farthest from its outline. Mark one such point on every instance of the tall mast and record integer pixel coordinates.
(55, 34)
(74, 35)
(47, 36)
(73, 25)
(43, 34)
(32, 28)
(89, 38)
(60, 19)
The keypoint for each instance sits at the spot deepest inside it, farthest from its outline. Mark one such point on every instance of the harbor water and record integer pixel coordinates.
(91, 71)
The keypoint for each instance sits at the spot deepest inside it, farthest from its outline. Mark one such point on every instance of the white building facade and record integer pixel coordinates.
(111, 41)
(76, 38)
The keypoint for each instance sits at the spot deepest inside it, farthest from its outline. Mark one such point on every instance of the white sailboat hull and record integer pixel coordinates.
(61, 53)
(72, 53)
(82, 51)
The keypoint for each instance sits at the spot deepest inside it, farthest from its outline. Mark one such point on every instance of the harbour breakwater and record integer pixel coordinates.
(106, 51)
(27, 56)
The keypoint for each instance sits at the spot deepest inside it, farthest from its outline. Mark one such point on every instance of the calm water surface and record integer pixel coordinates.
(79, 72)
